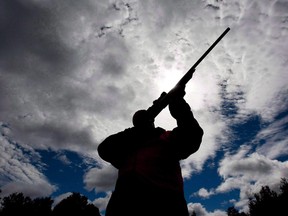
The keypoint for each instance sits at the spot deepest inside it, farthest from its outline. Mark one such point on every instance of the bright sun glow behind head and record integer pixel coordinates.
(169, 78)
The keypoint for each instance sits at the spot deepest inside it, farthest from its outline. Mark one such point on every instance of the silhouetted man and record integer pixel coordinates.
(147, 158)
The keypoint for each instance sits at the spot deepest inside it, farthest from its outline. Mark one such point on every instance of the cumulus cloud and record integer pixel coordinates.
(204, 193)
(247, 172)
(199, 209)
(102, 179)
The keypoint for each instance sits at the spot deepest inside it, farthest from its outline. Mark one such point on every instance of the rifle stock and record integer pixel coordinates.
(165, 98)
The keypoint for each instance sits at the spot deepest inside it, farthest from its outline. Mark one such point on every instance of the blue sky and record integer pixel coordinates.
(73, 72)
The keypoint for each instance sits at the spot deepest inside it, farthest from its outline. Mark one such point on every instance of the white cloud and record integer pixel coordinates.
(204, 193)
(102, 202)
(101, 179)
(200, 210)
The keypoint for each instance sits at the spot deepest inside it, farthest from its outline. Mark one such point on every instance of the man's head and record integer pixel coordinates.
(142, 119)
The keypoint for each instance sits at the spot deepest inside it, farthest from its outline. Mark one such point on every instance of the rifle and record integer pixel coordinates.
(165, 98)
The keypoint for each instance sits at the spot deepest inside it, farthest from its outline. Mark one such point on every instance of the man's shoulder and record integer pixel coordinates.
(160, 130)
(165, 135)
(129, 130)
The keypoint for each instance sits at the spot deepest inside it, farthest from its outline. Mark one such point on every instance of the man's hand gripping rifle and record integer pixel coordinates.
(165, 98)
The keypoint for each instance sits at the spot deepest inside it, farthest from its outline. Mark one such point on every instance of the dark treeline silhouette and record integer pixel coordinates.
(266, 202)
(75, 204)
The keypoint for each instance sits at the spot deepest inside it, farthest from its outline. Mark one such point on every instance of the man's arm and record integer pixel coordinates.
(188, 134)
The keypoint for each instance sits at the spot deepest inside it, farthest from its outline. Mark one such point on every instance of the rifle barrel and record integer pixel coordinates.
(190, 72)
(210, 48)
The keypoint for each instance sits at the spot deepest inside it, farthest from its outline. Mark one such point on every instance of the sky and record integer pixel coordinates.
(74, 72)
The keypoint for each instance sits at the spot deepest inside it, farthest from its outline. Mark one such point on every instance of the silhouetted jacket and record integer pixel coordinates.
(148, 160)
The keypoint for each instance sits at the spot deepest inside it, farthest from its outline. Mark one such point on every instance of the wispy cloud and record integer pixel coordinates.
(21, 169)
